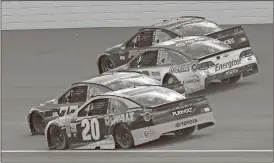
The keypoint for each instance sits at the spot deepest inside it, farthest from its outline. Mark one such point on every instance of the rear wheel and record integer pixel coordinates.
(57, 138)
(169, 79)
(231, 80)
(185, 132)
(38, 123)
(105, 64)
(123, 136)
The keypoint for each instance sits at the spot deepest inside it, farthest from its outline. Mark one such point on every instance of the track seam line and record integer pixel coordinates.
(136, 151)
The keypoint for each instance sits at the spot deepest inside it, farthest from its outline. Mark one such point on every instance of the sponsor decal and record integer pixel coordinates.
(146, 134)
(229, 41)
(192, 79)
(226, 55)
(230, 72)
(125, 117)
(188, 122)
(194, 67)
(191, 90)
(181, 105)
(157, 73)
(182, 112)
(73, 127)
(122, 57)
(179, 68)
(190, 41)
(229, 64)
(243, 39)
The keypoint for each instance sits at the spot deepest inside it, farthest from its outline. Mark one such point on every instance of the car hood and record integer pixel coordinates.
(114, 48)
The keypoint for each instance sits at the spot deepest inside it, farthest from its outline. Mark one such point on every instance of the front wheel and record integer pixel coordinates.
(38, 123)
(123, 136)
(231, 80)
(105, 64)
(185, 132)
(57, 138)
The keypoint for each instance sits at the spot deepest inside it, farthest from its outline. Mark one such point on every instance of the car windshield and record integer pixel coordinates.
(202, 48)
(131, 82)
(198, 29)
(156, 96)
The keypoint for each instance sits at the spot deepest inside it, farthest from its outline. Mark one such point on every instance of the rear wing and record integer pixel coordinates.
(184, 103)
(234, 37)
(224, 51)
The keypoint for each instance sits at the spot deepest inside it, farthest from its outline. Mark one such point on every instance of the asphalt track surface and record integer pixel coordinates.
(39, 64)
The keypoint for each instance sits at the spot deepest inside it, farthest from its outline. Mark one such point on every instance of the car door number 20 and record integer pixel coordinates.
(91, 126)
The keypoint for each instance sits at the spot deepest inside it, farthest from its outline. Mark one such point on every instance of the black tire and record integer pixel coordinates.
(185, 132)
(231, 80)
(57, 138)
(169, 79)
(38, 123)
(123, 136)
(105, 64)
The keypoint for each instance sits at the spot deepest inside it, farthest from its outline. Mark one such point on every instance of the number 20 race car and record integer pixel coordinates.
(196, 61)
(169, 29)
(129, 117)
(80, 92)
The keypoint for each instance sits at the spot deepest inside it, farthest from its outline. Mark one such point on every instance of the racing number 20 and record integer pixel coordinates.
(91, 126)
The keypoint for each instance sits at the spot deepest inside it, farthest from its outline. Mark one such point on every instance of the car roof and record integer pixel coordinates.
(171, 44)
(179, 22)
(110, 78)
(131, 92)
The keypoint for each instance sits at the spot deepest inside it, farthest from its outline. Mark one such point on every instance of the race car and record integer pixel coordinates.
(167, 30)
(129, 117)
(195, 61)
(71, 99)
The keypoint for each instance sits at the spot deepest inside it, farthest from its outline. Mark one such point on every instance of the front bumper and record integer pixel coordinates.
(245, 71)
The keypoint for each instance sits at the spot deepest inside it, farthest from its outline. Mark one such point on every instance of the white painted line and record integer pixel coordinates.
(137, 151)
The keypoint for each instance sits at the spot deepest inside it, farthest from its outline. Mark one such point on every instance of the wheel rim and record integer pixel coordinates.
(123, 136)
(106, 64)
(38, 123)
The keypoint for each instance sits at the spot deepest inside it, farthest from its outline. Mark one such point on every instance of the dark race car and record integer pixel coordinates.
(129, 117)
(195, 61)
(71, 99)
(167, 30)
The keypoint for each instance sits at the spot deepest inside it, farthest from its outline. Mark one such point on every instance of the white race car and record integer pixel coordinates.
(196, 61)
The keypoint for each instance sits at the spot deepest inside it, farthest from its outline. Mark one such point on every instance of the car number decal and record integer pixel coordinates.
(91, 126)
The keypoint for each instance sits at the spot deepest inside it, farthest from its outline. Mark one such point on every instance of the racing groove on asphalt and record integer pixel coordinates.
(39, 64)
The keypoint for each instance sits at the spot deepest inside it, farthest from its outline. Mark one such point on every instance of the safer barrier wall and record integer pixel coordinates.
(82, 14)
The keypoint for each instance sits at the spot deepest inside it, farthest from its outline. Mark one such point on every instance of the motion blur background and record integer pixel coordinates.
(42, 56)
(78, 14)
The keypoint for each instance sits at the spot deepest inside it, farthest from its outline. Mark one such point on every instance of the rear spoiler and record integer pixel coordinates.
(190, 99)
(225, 51)
(115, 71)
(197, 17)
(234, 37)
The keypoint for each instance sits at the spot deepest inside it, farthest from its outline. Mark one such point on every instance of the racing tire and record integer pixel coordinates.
(57, 138)
(185, 132)
(123, 136)
(38, 123)
(169, 79)
(105, 64)
(231, 80)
